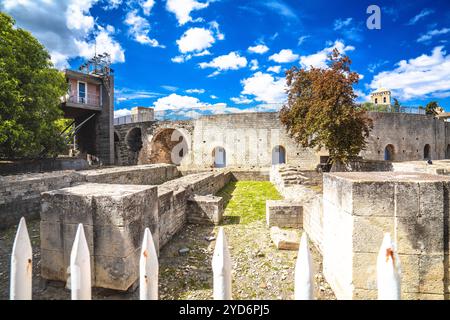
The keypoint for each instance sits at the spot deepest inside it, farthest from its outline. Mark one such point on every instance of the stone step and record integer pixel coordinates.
(285, 239)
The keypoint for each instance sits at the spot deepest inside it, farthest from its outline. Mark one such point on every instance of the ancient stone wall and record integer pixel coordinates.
(20, 194)
(408, 134)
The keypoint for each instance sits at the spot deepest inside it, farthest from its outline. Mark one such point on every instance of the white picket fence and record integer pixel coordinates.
(388, 268)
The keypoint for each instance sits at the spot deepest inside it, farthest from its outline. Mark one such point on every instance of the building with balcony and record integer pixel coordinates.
(90, 102)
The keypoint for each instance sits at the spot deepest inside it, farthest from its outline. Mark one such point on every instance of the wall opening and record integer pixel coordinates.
(447, 152)
(168, 146)
(134, 139)
(278, 155)
(220, 157)
(426, 152)
(389, 152)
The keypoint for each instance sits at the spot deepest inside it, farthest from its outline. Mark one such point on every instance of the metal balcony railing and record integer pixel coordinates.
(90, 99)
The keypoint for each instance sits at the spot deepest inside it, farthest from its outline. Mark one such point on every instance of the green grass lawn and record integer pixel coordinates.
(245, 201)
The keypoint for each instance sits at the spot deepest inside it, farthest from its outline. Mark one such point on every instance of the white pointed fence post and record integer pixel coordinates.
(80, 267)
(221, 266)
(304, 280)
(388, 271)
(148, 268)
(21, 264)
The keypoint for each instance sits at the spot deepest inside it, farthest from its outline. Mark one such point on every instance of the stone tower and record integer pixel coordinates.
(381, 96)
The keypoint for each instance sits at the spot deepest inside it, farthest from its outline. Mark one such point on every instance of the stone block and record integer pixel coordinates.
(114, 218)
(205, 209)
(284, 214)
(285, 239)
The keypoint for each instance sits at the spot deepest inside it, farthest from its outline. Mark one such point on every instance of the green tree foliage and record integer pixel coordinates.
(30, 91)
(431, 108)
(321, 111)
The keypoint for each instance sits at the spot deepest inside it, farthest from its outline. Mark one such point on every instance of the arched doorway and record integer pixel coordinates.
(278, 155)
(389, 152)
(116, 148)
(168, 146)
(134, 144)
(426, 152)
(220, 157)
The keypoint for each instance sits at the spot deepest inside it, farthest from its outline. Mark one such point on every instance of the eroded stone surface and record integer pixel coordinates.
(285, 239)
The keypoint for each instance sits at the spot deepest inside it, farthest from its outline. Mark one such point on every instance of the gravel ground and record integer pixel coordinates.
(260, 271)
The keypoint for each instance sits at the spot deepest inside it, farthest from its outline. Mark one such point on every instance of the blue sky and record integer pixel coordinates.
(200, 57)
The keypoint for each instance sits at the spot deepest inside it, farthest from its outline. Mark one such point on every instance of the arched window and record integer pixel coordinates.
(384, 99)
(426, 152)
(389, 152)
(376, 100)
(220, 157)
(278, 155)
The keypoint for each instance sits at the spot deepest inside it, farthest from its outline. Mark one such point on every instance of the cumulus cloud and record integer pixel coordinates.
(260, 49)
(319, 59)
(275, 69)
(231, 61)
(183, 8)
(284, 56)
(66, 28)
(147, 6)
(432, 33)
(139, 29)
(121, 113)
(420, 77)
(254, 65)
(265, 88)
(185, 105)
(241, 100)
(195, 40)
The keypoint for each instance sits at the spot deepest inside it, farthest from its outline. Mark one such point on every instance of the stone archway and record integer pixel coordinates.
(278, 155)
(219, 155)
(168, 145)
(426, 152)
(389, 153)
(133, 141)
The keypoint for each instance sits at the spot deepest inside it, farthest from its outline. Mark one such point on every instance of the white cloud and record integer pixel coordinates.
(361, 96)
(64, 27)
(241, 100)
(147, 6)
(139, 29)
(302, 39)
(102, 43)
(126, 94)
(422, 14)
(341, 23)
(121, 113)
(213, 97)
(231, 61)
(260, 49)
(195, 91)
(430, 34)
(215, 27)
(275, 69)
(320, 58)
(284, 56)
(183, 8)
(186, 105)
(195, 40)
(112, 4)
(254, 65)
(421, 77)
(265, 88)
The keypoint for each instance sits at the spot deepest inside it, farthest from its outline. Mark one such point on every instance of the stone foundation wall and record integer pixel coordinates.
(20, 194)
(284, 214)
(205, 209)
(313, 219)
(172, 213)
(358, 208)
